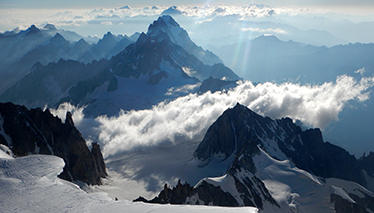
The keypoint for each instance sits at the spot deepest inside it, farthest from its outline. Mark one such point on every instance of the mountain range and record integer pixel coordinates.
(136, 78)
(244, 160)
(267, 58)
(21, 50)
(272, 165)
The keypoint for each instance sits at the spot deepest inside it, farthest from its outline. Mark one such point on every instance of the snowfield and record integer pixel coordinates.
(30, 184)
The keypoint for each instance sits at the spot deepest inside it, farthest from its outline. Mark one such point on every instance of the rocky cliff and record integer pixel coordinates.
(39, 132)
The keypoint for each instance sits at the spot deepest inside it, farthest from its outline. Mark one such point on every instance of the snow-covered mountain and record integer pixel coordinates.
(145, 73)
(180, 37)
(276, 167)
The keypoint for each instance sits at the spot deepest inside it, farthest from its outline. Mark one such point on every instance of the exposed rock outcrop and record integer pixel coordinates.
(214, 85)
(39, 132)
(203, 194)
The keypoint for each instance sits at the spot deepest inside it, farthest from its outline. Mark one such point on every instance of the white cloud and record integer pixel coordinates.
(268, 30)
(106, 23)
(76, 17)
(361, 71)
(187, 118)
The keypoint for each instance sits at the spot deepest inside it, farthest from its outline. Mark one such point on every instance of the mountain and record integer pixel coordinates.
(214, 85)
(221, 30)
(50, 51)
(46, 85)
(71, 36)
(180, 37)
(142, 75)
(267, 58)
(43, 133)
(105, 48)
(275, 166)
(145, 73)
(14, 46)
(22, 49)
(79, 49)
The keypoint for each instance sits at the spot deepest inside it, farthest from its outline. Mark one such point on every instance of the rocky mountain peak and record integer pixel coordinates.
(81, 44)
(32, 30)
(173, 10)
(108, 35)
(165, 23)
(59, 40)
(69, 119)
(241, 131)
(43, 133)
(234, 128)
(49, 27)
(180, 37)
(108, 39)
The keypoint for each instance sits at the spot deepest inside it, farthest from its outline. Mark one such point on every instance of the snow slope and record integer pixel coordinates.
(30, 184)
(294, 189)
(144, 171)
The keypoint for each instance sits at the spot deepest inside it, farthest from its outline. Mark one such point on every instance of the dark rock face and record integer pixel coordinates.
(182, 194)
(215, 195)
(214, 84)
(233, 129)
(39, 132)
(239, 127)
(366, 162)
(366, 200)
(98, 156)
(176, 195)
(343, 206)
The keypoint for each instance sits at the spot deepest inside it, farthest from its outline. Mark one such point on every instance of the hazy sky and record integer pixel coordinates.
(115, 3)
(97, 17)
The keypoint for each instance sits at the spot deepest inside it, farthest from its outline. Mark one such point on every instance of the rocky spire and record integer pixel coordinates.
(43, 133)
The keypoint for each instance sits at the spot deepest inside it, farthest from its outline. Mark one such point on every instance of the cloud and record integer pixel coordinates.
(188, 118)
(106, 23)
(15, 17)
(268, 30)
(361, 71)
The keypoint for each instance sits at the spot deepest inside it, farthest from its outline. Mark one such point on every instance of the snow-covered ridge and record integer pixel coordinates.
(30, 184)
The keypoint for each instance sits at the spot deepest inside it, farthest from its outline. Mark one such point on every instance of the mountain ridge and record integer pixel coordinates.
(152, 65)
(267, 169)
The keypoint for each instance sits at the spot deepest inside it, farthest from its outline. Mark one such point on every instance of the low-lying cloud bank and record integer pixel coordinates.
(188, 118)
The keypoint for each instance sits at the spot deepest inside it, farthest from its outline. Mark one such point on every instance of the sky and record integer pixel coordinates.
(98, 17)
(115, 3)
